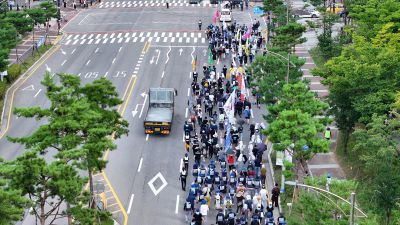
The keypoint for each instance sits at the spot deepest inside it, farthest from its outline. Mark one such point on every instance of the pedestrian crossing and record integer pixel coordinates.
(133, 37)
(150, 3)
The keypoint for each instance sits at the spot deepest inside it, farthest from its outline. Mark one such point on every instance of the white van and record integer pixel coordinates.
(226, 15)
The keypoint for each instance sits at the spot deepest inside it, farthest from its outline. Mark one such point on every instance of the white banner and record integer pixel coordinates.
(229, 106)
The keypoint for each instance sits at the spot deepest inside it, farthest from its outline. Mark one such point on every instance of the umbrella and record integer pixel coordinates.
(261, 147)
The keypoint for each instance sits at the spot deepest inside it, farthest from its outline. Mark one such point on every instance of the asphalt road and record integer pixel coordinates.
(136, 48)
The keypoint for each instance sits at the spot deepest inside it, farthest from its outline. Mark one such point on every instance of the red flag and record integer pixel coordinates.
(217, 14)
(215, 19)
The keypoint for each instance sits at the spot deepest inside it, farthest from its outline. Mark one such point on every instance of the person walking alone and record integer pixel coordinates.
(182, 177)
(275, 195)
(167, 3)
(200, 23)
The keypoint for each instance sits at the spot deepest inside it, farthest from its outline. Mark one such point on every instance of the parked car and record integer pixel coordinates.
(194, 1)
(307, 13)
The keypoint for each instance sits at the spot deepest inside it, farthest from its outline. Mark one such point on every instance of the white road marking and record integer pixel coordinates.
(90, 41)
(113, 61)
(97, 49)
(127, 39)
(147, 137)
(186, 112)
(37, 93)
(177, 204)
(68, 41)
(162, 75)
(130, 204)
(105, 75)
(192, 53)
(88, 62)
(168, 55)
(188, 92)
(180, 167)
(183, 137)
(120, 48)
(62, 64)
(151, 185)
(140, 164)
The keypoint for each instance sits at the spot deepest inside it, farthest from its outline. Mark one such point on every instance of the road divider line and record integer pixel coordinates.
(97, 49)
(120, 48)
(140, 164)
(180, 167)
(113, 61)
(188, 92)
(88, 62)
(37, 93)
(62, 64)
(130, 204)
(166, 61)
(186, 112)
(105, 75)
(147, 137)
(162, 75)
(190, 75)
(73, 51)
(177, 204)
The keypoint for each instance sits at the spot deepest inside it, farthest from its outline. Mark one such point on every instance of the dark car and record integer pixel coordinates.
(194, 1)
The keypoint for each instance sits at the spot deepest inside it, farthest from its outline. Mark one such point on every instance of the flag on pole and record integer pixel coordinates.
(228, 141)
(215, 19)
(243, 89)
(210, 57)
(229, 106)
(194, 63)
(217, 14)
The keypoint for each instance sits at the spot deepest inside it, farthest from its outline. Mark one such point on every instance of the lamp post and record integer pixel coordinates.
(289, 63)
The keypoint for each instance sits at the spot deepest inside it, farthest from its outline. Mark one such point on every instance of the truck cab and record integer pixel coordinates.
(160, 111)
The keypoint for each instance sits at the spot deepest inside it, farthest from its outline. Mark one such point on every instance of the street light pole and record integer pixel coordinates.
(353, 205)
(288, 68)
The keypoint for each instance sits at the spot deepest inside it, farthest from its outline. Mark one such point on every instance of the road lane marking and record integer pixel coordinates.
(73, 51)
(162, 75)
(147, 137)
(177, 204)
(97, 49)
(62, 64)
(37, 93)
(181, 166)
(120, 48)
(113, 61)
(151, 183)
(88, 62)
(191, 54)
(186, 112)
(130, 204)
(168, 55)
(140, 164)
(105, 75)
(188, 92)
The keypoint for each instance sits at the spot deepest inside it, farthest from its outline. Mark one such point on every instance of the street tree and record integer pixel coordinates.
(82, 123)
(269, 74)
(326, 43)
(47, 185)
(43, 14)
(288, 36)
(298, 132)
(12, 203)
(20, 21)
(374, 144)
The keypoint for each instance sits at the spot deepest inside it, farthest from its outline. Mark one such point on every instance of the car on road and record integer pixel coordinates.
(307, 13)
(226, 15)
(160, 112)
(194, 1)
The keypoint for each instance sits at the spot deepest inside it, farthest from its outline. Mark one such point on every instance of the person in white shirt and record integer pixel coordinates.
(264, 197)
(204, 211)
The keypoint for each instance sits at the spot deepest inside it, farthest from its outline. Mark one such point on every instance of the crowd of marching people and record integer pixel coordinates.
(227, 174)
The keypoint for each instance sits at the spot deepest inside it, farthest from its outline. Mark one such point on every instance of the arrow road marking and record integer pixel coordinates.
(168, 55)
(37, 93)
(158, 56)
(29, 88)
(192, 53)
(152, 60)
(134, 112)
(151, 183)
(62, 51)
(48, 68)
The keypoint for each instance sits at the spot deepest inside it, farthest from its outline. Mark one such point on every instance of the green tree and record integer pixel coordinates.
(326, 43)
(298, 96)
(374, 144)
(288, 36)
(20, 21)
(44, 13)
(269, 74)
(82, 122)
(12, 204)
(293, 129)
(47, 185)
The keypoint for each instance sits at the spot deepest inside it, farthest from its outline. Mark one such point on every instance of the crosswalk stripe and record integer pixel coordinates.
(97, 36)
(141, 34)
(127, 39)
(134, 39)
(90, 36)
(120, 40)
(155, 34)
(165, 39)
(69, 36)
(157, 39)
(142, 39)
(162, 34)
(112, 35)
(105, 35)
(112, 40)
(134, 34)
(177, 34)
(199, 35)
(173, 39)
(185, 34)
(90, 41)
(187, 39)
(75, 42)
(76, 36)
(119, 35)
(126, 35)
(203, 40)
(68, 41)
(150, 39)
(192, 34)
(195, 40)
(97, 41)
(170, 34)
(180, 40)
(148, 34)
(83, 36)
(105, 41)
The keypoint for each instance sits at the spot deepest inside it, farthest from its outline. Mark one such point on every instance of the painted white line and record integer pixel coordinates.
(62, 64)
(140, 164)
(120, 48)
(192, 53)
(188, 92)
(73, 51)
(88, 62)
(190, 75)
(186, 112)
(97, 49)
(130, 204)
(168, 55)
(180, 167)
(147, 137)
(105, 75)
(113, 61)
(37, 93)
(183, 137)
(177, 204)
(162, 75)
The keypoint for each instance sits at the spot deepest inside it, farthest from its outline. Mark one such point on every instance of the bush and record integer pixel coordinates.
(3, 89)
(13, 72)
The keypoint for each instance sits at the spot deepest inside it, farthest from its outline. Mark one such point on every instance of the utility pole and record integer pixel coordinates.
(353, 204)
(288, 68)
